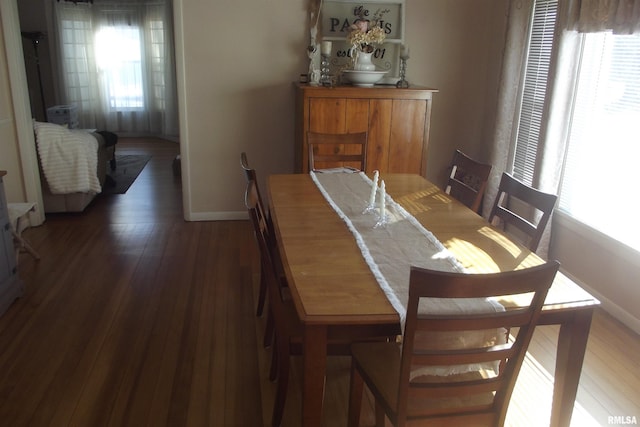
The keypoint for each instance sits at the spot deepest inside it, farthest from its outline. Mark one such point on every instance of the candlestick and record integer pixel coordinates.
(325, 77)
(383, 202)
(402, 83)
(374, 189)
(404, 52)
(326, 47)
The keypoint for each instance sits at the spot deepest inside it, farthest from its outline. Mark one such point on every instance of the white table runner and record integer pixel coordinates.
(391, 250)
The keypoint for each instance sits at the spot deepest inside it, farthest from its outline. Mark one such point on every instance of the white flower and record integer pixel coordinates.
(363, 33)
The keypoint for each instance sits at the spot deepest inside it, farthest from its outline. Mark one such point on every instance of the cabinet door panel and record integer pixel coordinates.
(327, 115)
(407, 136)
(379, 135)
(357, 120)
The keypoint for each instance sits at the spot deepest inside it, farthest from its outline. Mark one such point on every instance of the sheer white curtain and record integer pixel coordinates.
(513, 63)
(547, 161)
(117, 65)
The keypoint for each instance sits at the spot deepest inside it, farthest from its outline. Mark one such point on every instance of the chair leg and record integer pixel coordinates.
(22, 244)
(380, 415)
(356, 388)
(19, 211)
(262, 295)
(273, 370)
(283, 382)
(269, 331)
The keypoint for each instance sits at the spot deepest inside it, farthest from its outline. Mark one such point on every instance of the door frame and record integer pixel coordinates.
(21, 107)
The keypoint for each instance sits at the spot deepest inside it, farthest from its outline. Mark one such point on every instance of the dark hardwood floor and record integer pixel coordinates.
(134, 317)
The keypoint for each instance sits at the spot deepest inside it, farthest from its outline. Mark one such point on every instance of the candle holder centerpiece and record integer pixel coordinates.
(404, 56)
(383, 218)
(371, 203)
(325, 52)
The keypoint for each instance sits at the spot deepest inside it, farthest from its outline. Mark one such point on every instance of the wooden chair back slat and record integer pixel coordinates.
(468, 180)
(328, 150)
(539, 204)
(404, 378)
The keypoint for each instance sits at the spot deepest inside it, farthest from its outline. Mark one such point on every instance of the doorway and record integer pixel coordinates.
(113, 62)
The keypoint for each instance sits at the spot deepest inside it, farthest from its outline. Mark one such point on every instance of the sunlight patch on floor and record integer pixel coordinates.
(531, 401)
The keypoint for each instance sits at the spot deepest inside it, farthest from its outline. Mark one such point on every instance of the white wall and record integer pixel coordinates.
(236, 91)
(239, 65)
(456, 47)
(604, 267)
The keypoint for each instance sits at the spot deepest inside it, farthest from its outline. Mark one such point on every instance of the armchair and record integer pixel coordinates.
(72, 165)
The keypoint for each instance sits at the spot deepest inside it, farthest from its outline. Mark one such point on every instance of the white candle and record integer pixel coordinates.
(383, 196)
(374, 189)
(404, 52)
(326, 48)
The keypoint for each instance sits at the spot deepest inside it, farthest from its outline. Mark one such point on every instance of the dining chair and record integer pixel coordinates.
(398, 374)
(288, 328)
(330, 150)
(249, 172)
(287, 325)
(468, 180)
(536, 204)
(280, 312)
(250, 175)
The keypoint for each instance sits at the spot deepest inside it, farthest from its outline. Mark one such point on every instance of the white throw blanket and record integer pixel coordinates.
(69, 158)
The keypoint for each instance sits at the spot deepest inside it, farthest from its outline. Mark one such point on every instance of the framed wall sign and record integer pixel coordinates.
(337, 16)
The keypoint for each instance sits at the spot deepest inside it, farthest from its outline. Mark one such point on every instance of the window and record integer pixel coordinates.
(604, 124)
(119, 60)
(74, 34)
(117, 65)
(604, 140)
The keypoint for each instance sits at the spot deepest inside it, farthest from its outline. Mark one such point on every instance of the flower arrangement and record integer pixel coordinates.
(365, 33)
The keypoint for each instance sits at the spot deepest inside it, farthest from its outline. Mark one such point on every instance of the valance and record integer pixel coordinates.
(590, 16)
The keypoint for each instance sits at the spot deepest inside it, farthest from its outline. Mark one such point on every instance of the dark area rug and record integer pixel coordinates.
(128, 167)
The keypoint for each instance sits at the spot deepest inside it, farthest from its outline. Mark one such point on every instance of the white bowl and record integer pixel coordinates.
(363, 78)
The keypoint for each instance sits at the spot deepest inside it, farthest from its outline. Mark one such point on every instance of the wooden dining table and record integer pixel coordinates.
(336, 294)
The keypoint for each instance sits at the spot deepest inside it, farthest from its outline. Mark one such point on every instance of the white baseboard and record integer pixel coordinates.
(217, 216)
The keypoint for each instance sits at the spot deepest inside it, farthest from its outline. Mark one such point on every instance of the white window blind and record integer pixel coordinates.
(534, 89)
(600, 172)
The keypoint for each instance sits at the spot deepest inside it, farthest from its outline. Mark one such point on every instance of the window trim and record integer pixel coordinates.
(611, 245)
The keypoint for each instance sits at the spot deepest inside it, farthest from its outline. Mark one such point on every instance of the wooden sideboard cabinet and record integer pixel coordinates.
(397, 122)
(10, 283)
